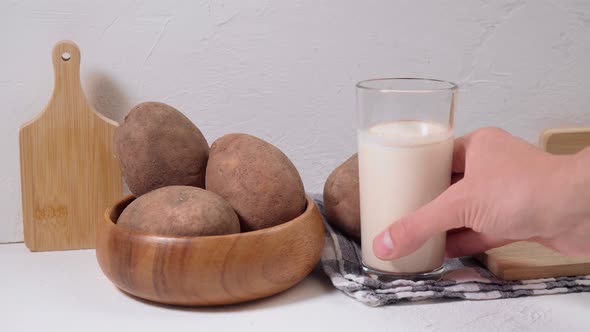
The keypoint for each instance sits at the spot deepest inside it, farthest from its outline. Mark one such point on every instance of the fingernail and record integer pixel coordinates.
(383, 245)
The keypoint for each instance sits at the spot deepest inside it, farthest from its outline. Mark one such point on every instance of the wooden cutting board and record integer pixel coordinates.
(565, 140)
(528, 260)
(69, 175)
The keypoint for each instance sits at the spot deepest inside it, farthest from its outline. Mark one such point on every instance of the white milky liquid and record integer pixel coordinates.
(402, 166)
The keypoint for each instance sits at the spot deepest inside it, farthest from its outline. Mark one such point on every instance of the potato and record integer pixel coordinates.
(257, 179)
(180, 211)
(341, 198)
(157, 146)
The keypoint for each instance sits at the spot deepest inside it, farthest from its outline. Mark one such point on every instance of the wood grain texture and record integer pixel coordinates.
(209, 270)
(530, 260)
(527, 260)
(565, 140)
(69, 175)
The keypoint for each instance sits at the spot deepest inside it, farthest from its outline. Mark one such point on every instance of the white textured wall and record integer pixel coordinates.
(285, 70)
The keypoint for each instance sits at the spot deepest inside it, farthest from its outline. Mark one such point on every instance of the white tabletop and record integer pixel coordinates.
(66, 291)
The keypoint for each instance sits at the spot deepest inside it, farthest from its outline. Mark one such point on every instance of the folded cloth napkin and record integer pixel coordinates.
(464, 279)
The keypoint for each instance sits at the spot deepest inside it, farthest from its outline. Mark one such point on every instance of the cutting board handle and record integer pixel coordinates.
(66, 65)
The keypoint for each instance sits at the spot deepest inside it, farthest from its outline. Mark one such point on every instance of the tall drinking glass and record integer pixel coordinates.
(405, 149)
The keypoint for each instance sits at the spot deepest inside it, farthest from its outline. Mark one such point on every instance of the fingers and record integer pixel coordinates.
(469, 242)
(461, 144)
(409, 233)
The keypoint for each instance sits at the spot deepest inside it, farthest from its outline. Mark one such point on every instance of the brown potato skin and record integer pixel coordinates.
(157, 146)
(180, 211)
(341, 198)
(257, 179)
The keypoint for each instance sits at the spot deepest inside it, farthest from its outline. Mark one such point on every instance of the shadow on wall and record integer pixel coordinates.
(108, 98)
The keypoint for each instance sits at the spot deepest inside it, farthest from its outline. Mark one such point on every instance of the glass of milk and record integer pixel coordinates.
(405, 150)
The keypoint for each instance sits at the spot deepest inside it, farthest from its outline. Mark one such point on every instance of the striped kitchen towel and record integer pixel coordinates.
(464, 278)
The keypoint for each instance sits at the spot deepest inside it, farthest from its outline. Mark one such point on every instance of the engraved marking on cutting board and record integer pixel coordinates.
(52, 215)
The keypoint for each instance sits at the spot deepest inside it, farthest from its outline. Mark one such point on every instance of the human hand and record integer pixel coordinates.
(510, 191)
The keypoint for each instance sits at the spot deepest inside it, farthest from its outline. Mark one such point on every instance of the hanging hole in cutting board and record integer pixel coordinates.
(65, 56)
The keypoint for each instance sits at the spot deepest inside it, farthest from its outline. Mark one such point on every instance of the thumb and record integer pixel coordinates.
(409, 233)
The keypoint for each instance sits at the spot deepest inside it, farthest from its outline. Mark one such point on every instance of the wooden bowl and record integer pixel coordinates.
(209, 270)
